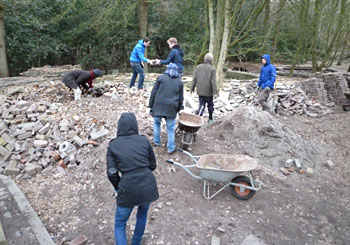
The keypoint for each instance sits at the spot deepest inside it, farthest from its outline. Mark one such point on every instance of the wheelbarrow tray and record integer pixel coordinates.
(190, 122)
(224, 167)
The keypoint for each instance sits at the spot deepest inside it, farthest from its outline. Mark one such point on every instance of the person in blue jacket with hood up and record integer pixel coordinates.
(266, 81)
(137, 58)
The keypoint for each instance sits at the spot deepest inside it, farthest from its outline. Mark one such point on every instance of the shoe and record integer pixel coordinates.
(171, 152)
(155, 144)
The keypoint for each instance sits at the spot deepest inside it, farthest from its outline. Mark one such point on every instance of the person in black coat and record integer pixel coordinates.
(175, 56)
(165, 102)
(77, 79)
(131, 155)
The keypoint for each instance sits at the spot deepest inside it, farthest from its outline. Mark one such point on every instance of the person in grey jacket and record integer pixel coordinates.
(205, 81)
(130, 162)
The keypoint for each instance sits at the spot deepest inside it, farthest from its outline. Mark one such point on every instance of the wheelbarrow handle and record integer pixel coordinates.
(169, 161)
(180, 150)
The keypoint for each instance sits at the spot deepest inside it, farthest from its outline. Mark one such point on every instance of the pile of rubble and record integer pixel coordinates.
(50, 71)
(290, 99)
(39, 135)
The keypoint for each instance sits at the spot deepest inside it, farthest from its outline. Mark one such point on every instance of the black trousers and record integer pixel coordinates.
(203, 101)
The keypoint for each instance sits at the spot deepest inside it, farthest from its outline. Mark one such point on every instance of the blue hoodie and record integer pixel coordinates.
(267, 74)
(138, 52)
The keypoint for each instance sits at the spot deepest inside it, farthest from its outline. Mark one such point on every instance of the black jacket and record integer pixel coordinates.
(166, 96)
(132, 155)
(76, 79)
(176, 56)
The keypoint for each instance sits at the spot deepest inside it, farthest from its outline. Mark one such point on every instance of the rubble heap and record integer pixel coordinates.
(256, 133)
(38, 134)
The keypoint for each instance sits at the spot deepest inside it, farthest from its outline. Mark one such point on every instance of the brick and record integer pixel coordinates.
(25, 146)
(284, 171)
(99, 134)
(3, 151)
(37, 126)
(25, 136)
(330, 164)
(18, 132)
(55, 155)
(79, 141)
(44, 129)
(2, 126)
(12, 169)
(26, 126)
(22, 104)
(7, 157)
(215, 240)
(18, 145)
(80, 240)
(40, 137)
(10, 146)
(42, 116)
(47, 170)
(6, 137)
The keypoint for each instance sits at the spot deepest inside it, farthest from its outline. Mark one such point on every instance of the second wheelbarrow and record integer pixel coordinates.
(225, 169)
(188, 126)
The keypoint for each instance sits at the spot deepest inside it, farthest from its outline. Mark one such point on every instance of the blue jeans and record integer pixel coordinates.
(121, 217)
(137, 69)
(170, 126)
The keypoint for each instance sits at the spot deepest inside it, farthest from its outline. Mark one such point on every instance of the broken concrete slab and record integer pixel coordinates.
(330, 164)
(12, 169)
(99, 134)
(252, 240)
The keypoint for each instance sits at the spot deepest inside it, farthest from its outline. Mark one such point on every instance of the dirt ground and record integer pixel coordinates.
(294, 209)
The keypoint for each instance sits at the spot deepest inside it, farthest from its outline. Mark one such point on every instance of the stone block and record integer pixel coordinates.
(10, 146)
(288, 163)
(99, 134)
(22, 103)
(79, 141)
(42, 117)
(18, 145)
(252, 240)
(7, 157)
(30, 169)
(3, 151)
(2, 125)
(2, 141)
(25, 136)
(330, 164)
(297, 163)
(40, 143)
(47, 170)
(18, 132)
(26, 126)
(12, 169)
(309, 172)
(25, 146)
(40, 137)
(6, 137)
(37, 126)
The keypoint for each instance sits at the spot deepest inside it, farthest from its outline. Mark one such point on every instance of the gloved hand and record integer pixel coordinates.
(158, 62)
(151, 62)
(151, 111)
(91, 91)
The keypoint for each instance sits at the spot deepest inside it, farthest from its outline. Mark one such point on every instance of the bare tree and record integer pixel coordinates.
(4, 72)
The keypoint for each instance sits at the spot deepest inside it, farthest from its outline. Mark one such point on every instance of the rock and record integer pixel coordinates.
(309, 172)
(288, 163)
(79, 141)
(3, 151)
(284, 171)
(12, 169)
(252, 240)
(297, 163)
(330, 164)
(221, 229)
(80, 240)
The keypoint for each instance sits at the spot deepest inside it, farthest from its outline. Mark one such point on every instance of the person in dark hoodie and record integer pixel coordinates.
(266, 82)
(165, 102)
(75, 80)
(175, 56)
(205, 80)
(131, 155)
(137, 58)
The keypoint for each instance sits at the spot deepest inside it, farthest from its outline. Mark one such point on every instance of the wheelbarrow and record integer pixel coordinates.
(225, 169)
(346, 106)
(188, 126)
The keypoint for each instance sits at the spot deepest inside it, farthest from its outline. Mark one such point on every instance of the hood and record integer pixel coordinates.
(181, 52)
(267, 58)
(172, 70)
(141, 42)
(127, 124)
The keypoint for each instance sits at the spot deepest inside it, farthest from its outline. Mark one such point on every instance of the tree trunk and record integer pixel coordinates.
(4, 72)
(267, 16)
(142, 19)
(349, 69)
(211, 26)
(335, 38)
(315, 34)
(277, 28)
(224, 44)
(219, 29)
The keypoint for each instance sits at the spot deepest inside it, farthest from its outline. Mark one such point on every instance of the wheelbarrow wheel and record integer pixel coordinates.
(236, 190)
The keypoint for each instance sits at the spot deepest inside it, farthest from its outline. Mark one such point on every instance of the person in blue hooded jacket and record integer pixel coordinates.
(175, 56)
(137, 58)
(266, 81)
